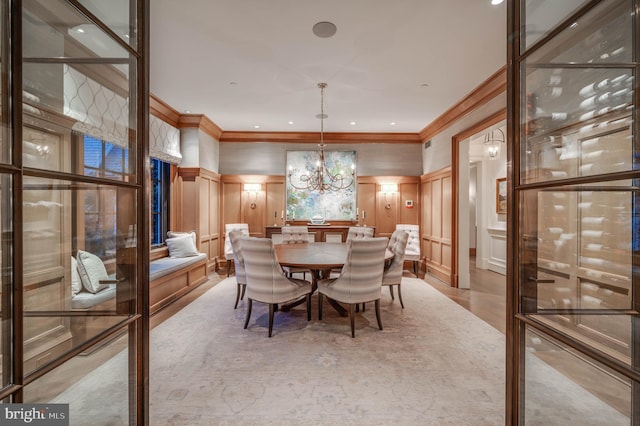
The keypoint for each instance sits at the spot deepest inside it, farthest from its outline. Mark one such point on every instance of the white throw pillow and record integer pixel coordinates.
(192, 234)
(181, 246)
(76, 283)
(91, 271)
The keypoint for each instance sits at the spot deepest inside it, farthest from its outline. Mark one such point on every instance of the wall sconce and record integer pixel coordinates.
(255, 188)
(386, 189)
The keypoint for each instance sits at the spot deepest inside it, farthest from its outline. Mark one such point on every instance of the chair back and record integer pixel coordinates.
(361, 278)
(238, 258)
(295, 235)
(397, 245)
(265, 280)
(412, 252)
(229, 227)
(359, 232)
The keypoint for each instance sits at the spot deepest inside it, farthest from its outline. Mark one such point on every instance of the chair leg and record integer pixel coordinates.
(246, 321)
(319, 306)
(238, 290)
(244, 287)
(378, 313)
(391, 292)
(309, 307)
(229, 263)
(400, 296)
(271, 312)
(352, 320)
(415, 268)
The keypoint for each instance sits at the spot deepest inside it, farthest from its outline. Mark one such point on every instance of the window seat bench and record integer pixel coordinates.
(171, 278)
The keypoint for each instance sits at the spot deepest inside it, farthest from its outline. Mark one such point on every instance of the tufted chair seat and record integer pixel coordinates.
(228, 250)
(359, 232)
(295, 235)
(412, 251)
(266, 283)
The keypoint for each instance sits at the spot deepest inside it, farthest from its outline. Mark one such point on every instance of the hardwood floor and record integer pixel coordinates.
(486, 298)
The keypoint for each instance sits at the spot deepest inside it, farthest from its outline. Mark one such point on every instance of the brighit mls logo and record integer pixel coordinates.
(35, 414)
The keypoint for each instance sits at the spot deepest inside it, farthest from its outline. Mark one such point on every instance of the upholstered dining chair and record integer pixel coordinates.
(266, 283)
(228, 250)
(238, 262)
(358, 232)
(412, 252)
(360, 280)
(393, 272)
(295, 235)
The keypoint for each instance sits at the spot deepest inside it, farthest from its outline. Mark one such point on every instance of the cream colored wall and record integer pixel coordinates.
(261, 158)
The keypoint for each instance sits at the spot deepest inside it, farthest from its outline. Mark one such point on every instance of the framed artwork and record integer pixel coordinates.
(501, 196)
(302, 204)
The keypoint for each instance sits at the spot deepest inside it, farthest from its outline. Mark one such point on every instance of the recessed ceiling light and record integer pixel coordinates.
(393, 123)
(324, 29)
(353, 123)
(256, 127)
(494, 2)
(80, 30)
(290, 122)
(575, 24)
(424, 85)
(187, 111)
(126, 36)
(233, 83)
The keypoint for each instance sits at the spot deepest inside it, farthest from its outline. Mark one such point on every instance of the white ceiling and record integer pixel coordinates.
(244, 63)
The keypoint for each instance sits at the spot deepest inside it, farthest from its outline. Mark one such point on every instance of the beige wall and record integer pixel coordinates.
(269, 158)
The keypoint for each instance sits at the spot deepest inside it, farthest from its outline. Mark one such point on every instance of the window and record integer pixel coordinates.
(102, 159)
(160, 183)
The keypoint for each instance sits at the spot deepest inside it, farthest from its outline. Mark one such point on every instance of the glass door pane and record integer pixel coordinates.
(576, 192)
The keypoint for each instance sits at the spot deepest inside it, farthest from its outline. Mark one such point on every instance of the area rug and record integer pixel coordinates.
(434, 363)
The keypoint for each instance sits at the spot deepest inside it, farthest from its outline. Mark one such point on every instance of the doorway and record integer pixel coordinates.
(479, 225)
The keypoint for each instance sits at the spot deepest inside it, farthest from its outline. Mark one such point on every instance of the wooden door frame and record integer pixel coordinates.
(489, 121)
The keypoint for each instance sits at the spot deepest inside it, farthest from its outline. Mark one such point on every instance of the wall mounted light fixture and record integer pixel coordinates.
(255, 188)
(386, 189)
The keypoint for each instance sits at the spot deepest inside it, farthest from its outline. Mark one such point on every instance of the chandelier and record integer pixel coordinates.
(492, 142)
(321, 178)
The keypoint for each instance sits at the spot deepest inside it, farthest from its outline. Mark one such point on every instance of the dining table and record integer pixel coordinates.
(320, 259)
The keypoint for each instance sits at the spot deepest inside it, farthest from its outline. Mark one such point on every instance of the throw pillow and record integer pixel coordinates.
(173, 234)
(181, 246)
(91, 271)
(76, 282)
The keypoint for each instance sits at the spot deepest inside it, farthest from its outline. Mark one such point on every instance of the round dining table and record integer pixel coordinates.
(320, 258)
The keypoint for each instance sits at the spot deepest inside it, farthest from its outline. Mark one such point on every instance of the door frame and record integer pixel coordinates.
(487, 122)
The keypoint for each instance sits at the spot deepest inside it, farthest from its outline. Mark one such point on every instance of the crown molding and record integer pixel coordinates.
(202, 122)
(163, 111)
(314, 137)
(487, 90)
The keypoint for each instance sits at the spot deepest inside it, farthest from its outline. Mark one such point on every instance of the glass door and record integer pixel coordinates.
(574, 226)
(72, 182)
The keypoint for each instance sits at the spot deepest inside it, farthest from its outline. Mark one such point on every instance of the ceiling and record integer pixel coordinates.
(247, 63)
